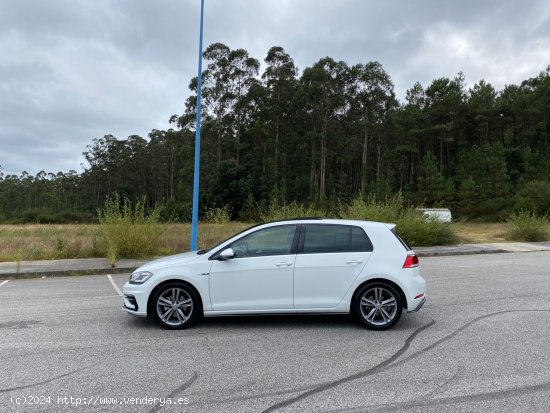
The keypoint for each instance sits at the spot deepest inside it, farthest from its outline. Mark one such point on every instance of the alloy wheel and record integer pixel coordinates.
(174, 306)
(378, 306)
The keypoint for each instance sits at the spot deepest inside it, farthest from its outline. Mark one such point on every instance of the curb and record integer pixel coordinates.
(65, 273)
(452, 253)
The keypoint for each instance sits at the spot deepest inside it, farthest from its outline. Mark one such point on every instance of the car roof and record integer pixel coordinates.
(333, 221)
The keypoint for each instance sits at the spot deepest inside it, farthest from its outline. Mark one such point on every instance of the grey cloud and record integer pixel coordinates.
(74, 70)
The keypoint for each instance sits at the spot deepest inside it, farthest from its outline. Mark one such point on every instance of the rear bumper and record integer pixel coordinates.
(418, 306)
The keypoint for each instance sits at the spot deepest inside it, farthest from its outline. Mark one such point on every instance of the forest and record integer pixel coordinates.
(319, 137)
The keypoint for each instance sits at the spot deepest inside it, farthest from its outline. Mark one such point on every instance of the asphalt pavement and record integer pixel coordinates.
(480, 343)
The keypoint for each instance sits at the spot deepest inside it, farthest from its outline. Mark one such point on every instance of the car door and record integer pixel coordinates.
(260, 276)
(330, 257)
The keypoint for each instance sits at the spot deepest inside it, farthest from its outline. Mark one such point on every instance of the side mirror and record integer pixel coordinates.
(227, 254)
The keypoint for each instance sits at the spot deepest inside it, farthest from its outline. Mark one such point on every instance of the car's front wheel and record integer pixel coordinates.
(378, 306)
(175, 306)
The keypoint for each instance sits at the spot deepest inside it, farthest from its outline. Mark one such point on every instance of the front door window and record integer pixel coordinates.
(266, 242)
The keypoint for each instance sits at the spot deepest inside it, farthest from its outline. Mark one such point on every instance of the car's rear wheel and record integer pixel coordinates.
(378, 306)
(176, 306)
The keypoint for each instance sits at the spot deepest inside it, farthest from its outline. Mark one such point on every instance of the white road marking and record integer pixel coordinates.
(105, 296)
(2, 283)
(114, 285)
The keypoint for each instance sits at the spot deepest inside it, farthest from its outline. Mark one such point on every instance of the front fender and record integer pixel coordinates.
(196, 274)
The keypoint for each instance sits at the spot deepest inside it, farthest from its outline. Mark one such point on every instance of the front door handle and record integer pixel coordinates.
(283, 264)
(354, 262)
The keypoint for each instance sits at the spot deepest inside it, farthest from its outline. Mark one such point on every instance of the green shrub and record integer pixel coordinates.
(534, 195)
(389, 210)
(128, 232)
(527, 226)
(422, 232)
(275, 212)
(46, 218)
(410, 224)
(28, 216)
(60, 245)
(174, 211)
(218, 215)
(74, 217)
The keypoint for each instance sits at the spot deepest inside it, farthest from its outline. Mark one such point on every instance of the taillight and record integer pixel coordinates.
(411, 261)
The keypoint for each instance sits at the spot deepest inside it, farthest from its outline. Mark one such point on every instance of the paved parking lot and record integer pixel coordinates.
(481, 343)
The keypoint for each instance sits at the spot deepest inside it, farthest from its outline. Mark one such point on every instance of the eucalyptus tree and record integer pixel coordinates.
(373, 98)
(510, 103)
(280, 81)
(11, 196)
(335, 130)
(445, 104)
(99, 172)
(26, 181)
(227, 80)
(481, 108)
(71, 190)
(242, 70)
(216, 109)
(537, 125)
(410, 124)
(164, 149)
(486, 166)
(324, 85)
(431, 184)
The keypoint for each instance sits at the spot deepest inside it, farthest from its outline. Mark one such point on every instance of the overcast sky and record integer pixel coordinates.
(74, 70)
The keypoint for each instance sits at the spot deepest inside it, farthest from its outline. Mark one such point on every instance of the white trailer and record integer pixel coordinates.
(439, 214)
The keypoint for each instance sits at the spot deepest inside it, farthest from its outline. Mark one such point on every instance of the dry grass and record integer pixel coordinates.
(476, 233)
(43, 242)
(178, 236)
(35, 242)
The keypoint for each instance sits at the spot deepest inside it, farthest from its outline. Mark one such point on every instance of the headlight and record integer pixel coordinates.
(140, 277)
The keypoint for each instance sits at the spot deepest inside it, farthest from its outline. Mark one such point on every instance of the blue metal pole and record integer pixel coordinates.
(195, 216)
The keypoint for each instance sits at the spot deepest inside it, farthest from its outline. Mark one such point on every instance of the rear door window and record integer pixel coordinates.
(320, 238)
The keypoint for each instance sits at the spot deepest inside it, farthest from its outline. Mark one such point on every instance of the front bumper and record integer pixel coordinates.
(134, 300)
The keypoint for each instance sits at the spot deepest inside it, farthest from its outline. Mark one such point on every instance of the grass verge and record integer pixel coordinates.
(61, 241)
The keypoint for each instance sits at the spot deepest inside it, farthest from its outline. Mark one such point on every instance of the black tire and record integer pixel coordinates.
(370, 310)
(175, 306)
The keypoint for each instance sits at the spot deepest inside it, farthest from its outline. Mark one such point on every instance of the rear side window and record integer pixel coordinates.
(359, 240)
(334, 238)
(401, 240)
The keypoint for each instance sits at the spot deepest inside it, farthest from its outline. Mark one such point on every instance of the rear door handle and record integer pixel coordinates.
(354, 262)
(283, 264)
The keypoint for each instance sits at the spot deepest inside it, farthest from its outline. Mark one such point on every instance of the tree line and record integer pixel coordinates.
(320, 137)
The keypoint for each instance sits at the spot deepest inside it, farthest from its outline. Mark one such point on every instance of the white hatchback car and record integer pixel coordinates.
(294, 266)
